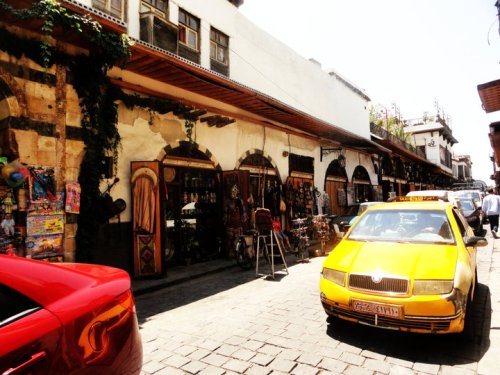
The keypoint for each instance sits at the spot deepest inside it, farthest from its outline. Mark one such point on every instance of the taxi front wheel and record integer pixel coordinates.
(469, 327)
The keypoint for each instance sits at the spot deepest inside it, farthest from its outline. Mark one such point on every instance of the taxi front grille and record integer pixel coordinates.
(387, 285)
(425, 324)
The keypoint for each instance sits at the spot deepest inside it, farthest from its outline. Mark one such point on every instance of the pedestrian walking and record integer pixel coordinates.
(491, 208)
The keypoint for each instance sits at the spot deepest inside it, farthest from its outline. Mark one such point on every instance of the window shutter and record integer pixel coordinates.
(116, 8)
(145, 28)
(99, 4)
(164, 36)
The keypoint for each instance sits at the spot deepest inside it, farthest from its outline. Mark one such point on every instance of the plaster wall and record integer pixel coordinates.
(432, 142)
(265, 64)
(142, 141)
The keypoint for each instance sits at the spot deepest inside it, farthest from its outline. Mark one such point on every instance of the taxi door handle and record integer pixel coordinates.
(34, 359)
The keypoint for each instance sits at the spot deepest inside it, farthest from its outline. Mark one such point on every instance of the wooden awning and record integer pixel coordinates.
(490, 98)
(489, 93)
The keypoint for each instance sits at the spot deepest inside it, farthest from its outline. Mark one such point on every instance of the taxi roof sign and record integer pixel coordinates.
(419, 198)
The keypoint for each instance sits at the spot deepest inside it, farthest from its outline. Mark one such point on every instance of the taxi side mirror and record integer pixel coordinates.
(476, 241)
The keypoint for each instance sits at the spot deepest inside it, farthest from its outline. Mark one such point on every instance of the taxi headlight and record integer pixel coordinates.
(427, 287)
(335, 276)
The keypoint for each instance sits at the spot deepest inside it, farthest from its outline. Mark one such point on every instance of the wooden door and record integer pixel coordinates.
(336, 190)
(146, 188)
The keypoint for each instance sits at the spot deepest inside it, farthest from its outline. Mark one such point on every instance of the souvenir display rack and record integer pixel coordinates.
(32, 212)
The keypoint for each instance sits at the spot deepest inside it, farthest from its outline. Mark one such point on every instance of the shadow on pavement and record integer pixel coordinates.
(453, 349)
(169, 297)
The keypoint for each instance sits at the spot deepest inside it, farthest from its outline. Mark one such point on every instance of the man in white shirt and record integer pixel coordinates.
(491, 208)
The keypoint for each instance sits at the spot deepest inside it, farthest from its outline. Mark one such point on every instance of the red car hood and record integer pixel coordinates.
(46, 283)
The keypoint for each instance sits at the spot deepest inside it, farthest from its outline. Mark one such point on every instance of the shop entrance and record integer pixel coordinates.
(363, 190)
(192, 208)
(335, 187)
(264, 183)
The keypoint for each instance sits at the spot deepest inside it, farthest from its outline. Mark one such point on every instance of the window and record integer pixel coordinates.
(219, 45)
(158, 4)
(189, 27)
(14, 305)
(158, 32)
(114, 8)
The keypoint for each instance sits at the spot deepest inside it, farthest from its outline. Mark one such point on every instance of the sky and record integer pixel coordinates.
(415, 55)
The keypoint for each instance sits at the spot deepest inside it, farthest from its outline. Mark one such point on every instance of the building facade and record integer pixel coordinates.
(145, 134)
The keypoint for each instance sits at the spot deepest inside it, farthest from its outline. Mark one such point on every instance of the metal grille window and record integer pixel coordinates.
(189, 27)
(219, 46)
(115, 8)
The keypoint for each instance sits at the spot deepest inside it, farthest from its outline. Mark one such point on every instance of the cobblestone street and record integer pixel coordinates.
(231, 322)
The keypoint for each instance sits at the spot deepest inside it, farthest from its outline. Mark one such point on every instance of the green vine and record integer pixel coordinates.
(97, 96)
(189, 125)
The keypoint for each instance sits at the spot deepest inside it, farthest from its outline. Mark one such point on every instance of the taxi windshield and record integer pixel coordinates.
(409, 226)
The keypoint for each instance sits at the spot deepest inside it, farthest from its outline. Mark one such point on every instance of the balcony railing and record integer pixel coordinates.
(382, 133)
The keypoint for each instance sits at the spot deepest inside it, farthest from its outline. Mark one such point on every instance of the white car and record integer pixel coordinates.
(476, 195)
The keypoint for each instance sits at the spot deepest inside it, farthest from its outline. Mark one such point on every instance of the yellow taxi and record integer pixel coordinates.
(407, 265)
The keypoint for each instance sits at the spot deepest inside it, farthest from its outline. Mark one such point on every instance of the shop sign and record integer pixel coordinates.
(190, 163)
(336, 179)
(361, 182)
(301, 175)
(258, 170)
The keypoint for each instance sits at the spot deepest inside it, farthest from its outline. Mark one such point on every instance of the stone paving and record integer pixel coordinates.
(233, 323)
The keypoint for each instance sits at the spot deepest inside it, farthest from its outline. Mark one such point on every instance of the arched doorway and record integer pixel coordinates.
(192, 204)
(12, 109)
(335, 187)
(362, 186)
(264, 182)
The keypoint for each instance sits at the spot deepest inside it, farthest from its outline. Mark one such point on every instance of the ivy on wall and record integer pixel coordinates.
(89, 78)
(98, 97)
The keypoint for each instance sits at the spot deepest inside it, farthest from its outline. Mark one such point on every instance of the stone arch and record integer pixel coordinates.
(361, 182)
(12, 108)
(258, 152)
(201, 150)
(335, 169)
(12, 95)
(360, 173)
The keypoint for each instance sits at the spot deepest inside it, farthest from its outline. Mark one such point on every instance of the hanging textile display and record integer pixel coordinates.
(144, 200)
(146, 223)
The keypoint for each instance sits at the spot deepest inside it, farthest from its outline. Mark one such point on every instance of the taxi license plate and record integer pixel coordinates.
(376, 308)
